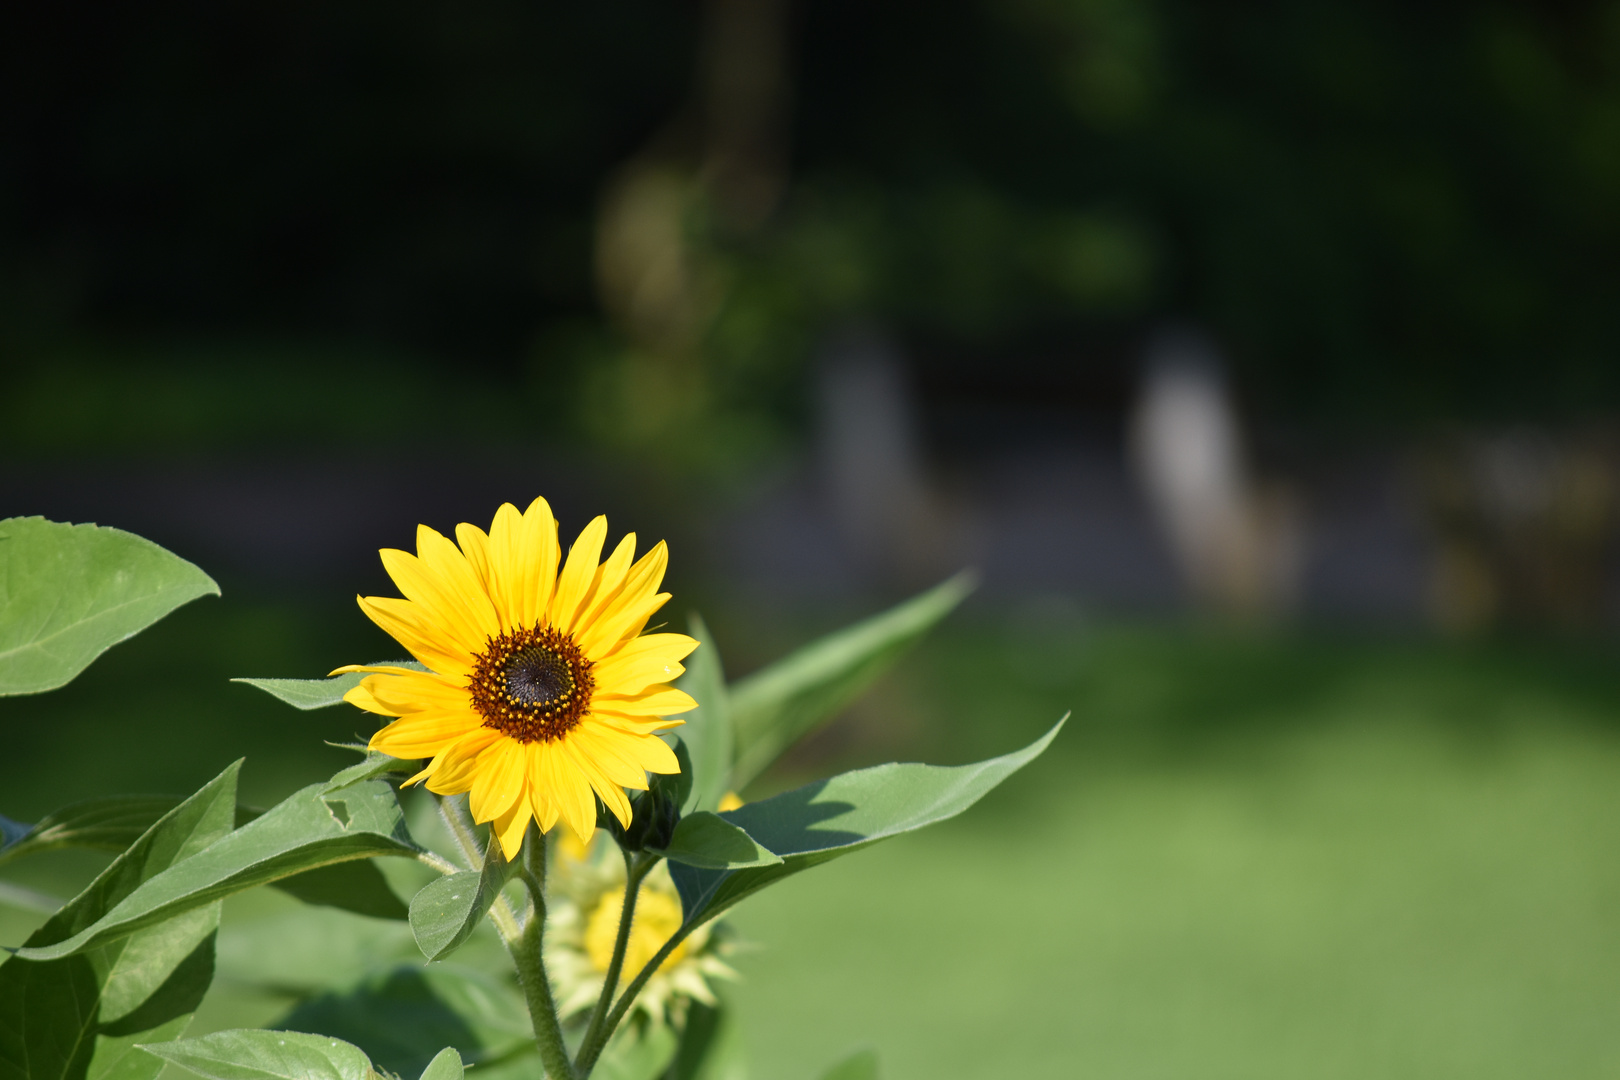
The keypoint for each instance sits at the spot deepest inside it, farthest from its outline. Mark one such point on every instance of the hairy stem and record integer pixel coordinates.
(527, 954)
(635, 869)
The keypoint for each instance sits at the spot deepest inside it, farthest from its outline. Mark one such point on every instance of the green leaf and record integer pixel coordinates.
(774, 708)
(68, 593)
(356, 886)
(711, 1044)
(707, 731)
(374, 766)
(447, 911)
(75, 1016)
(861, 1065)
(637, 1053)
(446, 1065)
(266, 1055)
(106, 824)
(709, 840)
(821, 821)
(309, 694)
(402, 1017)
(301, 833)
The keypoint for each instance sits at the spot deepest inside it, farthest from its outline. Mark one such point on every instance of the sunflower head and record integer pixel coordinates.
(542, 694)
(584, 920)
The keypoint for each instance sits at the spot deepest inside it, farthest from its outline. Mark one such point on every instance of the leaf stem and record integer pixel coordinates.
(590, 1049)
(527, 954)
(635, 869)
(453, 809)
(438, 862)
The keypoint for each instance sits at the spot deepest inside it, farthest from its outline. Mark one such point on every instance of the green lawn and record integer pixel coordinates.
(1248, 856)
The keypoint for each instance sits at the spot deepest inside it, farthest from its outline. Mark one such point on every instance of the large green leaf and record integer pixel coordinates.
(301, 833)
(320, 693)
(707, 731)
(711, 1044)
(447, 911)
(819, 822)
(79, 1015)
(68, 593)
(710, 841)
(356, 886)
(775, 707)
(266, 1055)
(113, 823)
(402, 1017)
(106, 824)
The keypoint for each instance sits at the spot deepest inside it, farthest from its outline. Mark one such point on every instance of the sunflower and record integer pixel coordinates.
(541, 694)
(584, 920)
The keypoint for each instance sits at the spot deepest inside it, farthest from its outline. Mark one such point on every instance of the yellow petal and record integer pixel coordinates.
(575, 797)
(499, 781)
(609, 623)
(619, 764)
(655, 701)
(652, 658)
(413, 691)
(360, 697)
(542, 782)
(656, 756)
(577, 575)
(623, 627)
(510, 826)
(452, 769)
(409, 626)
(475, 546)
(424, 734)
(523, 558)
(637, 725)
(609, 580)
(442, 585)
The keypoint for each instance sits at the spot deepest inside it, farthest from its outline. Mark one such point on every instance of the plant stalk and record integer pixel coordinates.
(528, 954)
(591, 1049)
(635, 869)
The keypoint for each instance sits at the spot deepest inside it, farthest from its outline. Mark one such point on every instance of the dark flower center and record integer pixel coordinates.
(532, 685)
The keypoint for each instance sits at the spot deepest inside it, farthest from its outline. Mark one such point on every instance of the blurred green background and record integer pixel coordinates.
(1263, 356)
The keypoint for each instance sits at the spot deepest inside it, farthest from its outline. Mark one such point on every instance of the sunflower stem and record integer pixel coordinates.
(590, 1049)
(465, 832)
(635, 869)
(528, 956)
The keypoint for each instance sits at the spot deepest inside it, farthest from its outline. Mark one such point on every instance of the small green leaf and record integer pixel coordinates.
(774, 708)
(309, 694)
(74, 1016)
(447, 911)
(710, 841)
(861, 1065)
(446, 1065)
(707, 731)
(68, 593)
(266, 1055)
(301, 833)
(374, 766)
(106, 824)
(821, 821)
